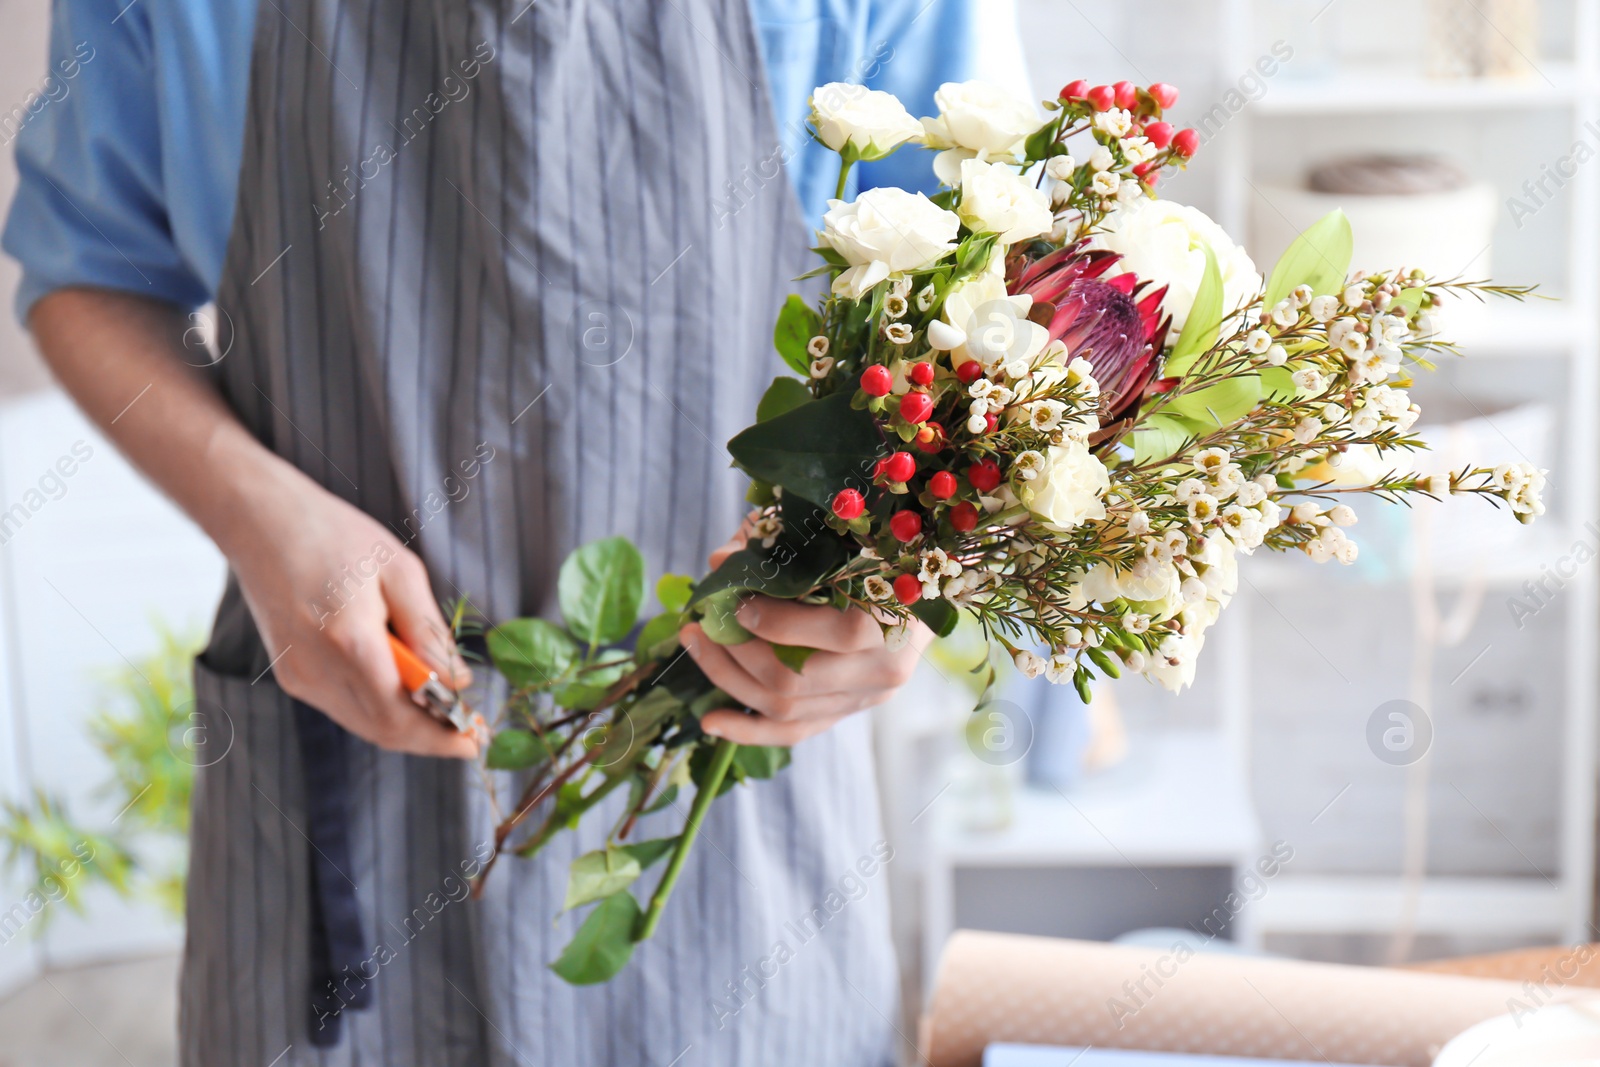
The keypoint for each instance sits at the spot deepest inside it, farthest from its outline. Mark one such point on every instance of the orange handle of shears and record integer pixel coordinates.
(414, 674)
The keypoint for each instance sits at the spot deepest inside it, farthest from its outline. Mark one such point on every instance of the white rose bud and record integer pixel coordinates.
(886, 231)
(861, 123)
(996, 199)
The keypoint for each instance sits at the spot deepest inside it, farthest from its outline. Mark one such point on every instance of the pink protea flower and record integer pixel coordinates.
(1114, 323)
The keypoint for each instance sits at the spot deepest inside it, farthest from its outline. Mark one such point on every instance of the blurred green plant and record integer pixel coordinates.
(139, 729)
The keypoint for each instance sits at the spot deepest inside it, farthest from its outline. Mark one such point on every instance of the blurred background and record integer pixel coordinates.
(1381, 763)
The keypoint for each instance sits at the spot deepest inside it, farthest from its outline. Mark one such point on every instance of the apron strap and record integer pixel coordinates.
(337, 956)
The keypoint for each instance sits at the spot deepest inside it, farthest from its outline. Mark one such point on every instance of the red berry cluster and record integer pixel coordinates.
(1145, 105)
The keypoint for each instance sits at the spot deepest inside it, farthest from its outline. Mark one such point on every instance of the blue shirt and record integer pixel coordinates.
(129, 157)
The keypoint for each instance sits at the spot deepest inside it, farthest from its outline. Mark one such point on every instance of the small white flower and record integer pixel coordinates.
(1115, 121)
(767, 530)
(1346, 551)
(1018, 368)
(1046, 415)
(821, 367)
(1304, 513)
(1028, 465)
(1135, 623)
(978, 408)
(1138, 150)
(1307, 429)
(1133, 659)
(925, 298)
(898, 333)
(1436, 484)
(1301, 295)
(1211, 460)
(1175, 541)
(1324, 308)
(1059, 670)
(1285, 313)
(1060, 195)
(894, 305)
(1310, 381)
(1256, 342)
(1193, 590)
(1106, 183)
(977, 424)
(1072, 637)
(980, 389)
(1138, 523)
(1354, 296)
(1061, 168)
(817, 346)
(1250, 494)
(878, 587)
(1188, 489)
(1342, 515)
(1203, 508)
(1031, 664)
(1101, 158)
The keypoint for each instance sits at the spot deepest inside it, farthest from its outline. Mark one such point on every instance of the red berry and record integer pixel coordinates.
(964, 517)
(989, 423)
(1074, 90)
(1141, 169)
(877, 381)
(942, 485)
(1163, 94)
(848, 504)
(899, 467)
(1159, 133)
(920, 374)
(1151, 178)
(907, 589)
(1127, 94)
(905, 525)
(930, 438)
(1101, 97)
(969, 372)
(916, 407)
(984, 475)
(1186, 143)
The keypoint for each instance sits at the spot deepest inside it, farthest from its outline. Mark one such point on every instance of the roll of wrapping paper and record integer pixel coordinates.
(1044, 991)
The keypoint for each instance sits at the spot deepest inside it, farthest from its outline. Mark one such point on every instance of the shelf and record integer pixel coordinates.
(1178, 799)
(1358, 91)
(1528, 907)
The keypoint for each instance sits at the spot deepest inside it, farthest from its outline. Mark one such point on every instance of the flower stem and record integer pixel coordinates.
(721, 759)
(844, 176)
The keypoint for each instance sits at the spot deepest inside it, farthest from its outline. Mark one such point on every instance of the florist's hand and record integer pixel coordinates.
(329, 643)
(852, 670)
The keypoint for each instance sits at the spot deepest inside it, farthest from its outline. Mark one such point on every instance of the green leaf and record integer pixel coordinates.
(674, 591)
(1159, 436)
(1408, 302)
(805, 553)
(793, 656)
(646, 853)
(1221, 404)
(600, 874)
(668, 795)
(601, 586)
(512, 750)
(1106, 662)
(784, 394)
(1319, 257)
(760, 761)
(603, 944)
(1277, 383)
(939, 615)
(580, 696)
(813, 451)
(658, 635)
(531, 651)
(720, 620)
(797, 325)
(1200, 329)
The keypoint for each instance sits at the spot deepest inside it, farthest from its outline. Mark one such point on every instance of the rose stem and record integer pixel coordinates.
(721, 759)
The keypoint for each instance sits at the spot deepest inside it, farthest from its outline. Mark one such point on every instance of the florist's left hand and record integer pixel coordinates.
(852, 670)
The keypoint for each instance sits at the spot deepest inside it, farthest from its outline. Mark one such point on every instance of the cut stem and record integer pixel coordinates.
(721, 760)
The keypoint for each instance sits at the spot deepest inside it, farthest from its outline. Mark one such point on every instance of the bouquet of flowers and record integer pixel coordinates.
(1043, 398)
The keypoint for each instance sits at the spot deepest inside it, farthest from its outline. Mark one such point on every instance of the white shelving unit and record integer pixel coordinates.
(1531, 907)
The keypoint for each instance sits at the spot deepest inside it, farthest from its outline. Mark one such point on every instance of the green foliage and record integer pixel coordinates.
(601, 587)
(1200, 329)
(514, 750)
(720, 618)
(793, 656)
(797, 325)
(783, 395)
(1319, 257)
(603, 944)
(940, 615)
(674, 591)
(598, 874)
(759, 761)
(813, 451)
(531, 652)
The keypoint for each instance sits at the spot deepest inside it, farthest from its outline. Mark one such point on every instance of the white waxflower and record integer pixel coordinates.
(1164, 242)
(1256, 342)
(1284, 313)
(1324, 308)
(1106, 183)
(1028, 465)
(1346, 551)
(1250, 494)
(1073, 637)
(1061, 168)
(1101, 159)
(1310, 381)
(1211, 460)
(883, 232)
(1058, 671)
(1017, 369)
(1188, 489)
(1138, 150)
(767, 530)
(894, 305)
(1069, 489)
(1138, 523)
(1133, 659)
(1203, 508)
(1342, 515)
(1172, 666)
(1354, 296)
(898, 333)
(1046, 415)
(1135, 623)
(1276, 356)
(1001, 397)
(1301, 295)
(1226, 481)
(1060, 195)
(1031, 664)
(925, 297)
(1175, 541)
(996, 199)
(1307, 429)
(1304, 513)
(878, 587)
(1435, 484)
(977, 117)
(978, 408)
(817, 346)
(980, 389)
(821, 367)
(859, 122)
(1115, 121)
(1193, 590)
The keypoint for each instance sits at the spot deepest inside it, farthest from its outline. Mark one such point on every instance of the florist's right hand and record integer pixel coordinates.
(329, 644)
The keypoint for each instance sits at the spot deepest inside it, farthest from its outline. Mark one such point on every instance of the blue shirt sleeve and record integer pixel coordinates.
(917, 46)
(90, 207)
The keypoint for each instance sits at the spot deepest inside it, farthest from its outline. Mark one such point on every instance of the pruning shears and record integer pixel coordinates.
(429, 691)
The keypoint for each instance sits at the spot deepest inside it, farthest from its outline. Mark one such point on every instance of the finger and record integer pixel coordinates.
(744, 729)
(824, 673)
(416, 618)
(397, 722)
(787, 622)
(720, 666)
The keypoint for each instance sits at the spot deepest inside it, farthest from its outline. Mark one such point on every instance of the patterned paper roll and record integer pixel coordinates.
(1044, 991)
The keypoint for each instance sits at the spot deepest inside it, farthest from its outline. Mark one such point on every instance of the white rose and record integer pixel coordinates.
(977, 118)
(996, 199)
(1165, 243)
(1067, 491)
(884, 232)
(988, 324)
(869, 122)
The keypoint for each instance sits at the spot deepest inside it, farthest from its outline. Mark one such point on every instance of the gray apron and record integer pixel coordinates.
(484, 283)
